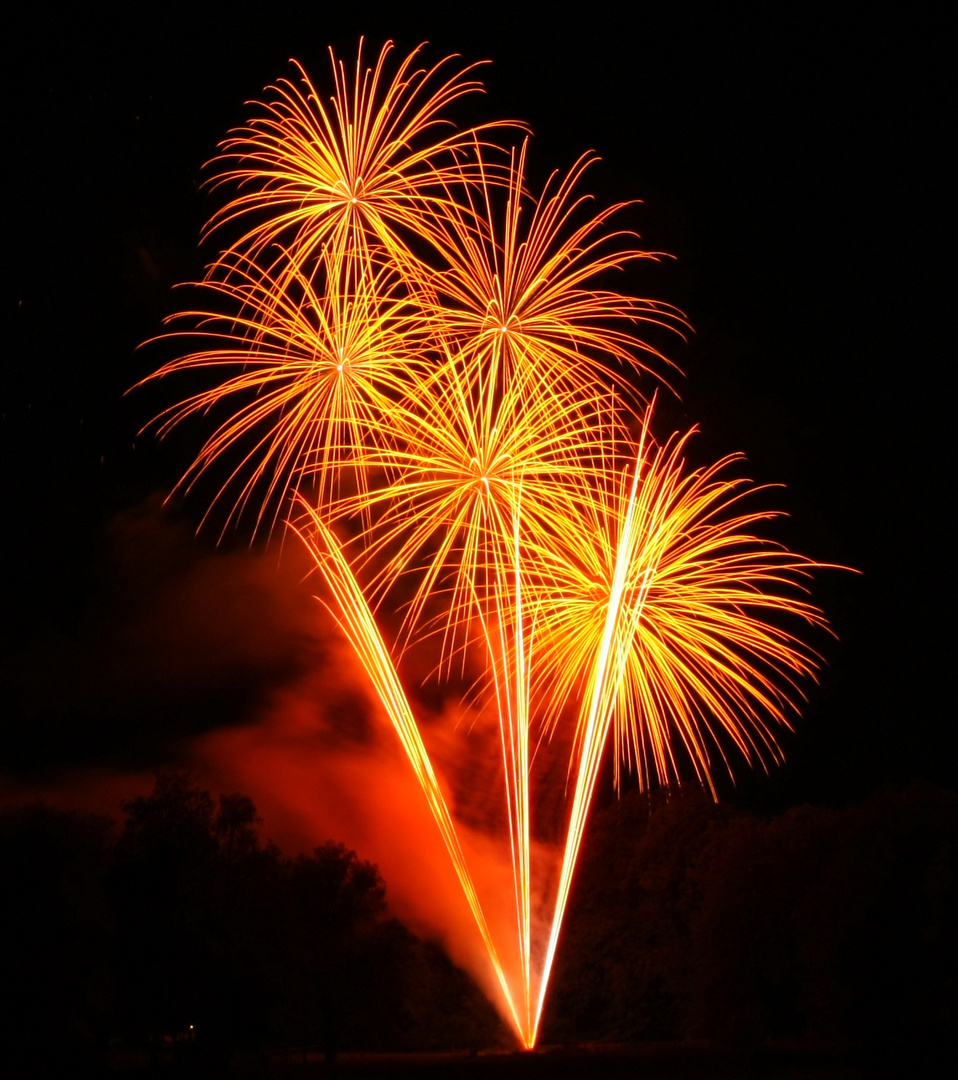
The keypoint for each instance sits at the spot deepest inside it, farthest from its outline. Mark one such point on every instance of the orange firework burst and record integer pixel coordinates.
(663, 572)
(362, 171)
(476, 456)
(517, 293)
(309, 377)
(410, 340)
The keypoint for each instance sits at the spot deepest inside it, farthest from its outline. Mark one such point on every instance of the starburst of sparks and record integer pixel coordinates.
(412, 349)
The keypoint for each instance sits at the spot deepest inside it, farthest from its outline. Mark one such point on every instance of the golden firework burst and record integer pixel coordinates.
(402, 336)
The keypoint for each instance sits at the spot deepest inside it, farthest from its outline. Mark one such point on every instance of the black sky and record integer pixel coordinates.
(796, 168)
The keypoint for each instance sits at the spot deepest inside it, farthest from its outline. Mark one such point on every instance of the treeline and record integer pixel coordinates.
(691, 921)
(186, 938)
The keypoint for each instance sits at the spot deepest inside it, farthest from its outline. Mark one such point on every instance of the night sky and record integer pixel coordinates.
(794, 167)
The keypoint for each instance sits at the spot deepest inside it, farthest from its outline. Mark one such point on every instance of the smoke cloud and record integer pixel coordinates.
(222, 662)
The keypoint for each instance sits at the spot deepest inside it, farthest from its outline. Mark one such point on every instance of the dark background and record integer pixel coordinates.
(795, 167)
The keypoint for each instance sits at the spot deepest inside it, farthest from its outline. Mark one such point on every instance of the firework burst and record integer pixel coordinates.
(414, 349)
(362, 172)
(670, 556)
(309, 376)
(519, 292)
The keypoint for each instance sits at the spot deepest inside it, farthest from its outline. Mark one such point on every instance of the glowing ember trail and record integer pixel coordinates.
(350, 610)
(412, 352)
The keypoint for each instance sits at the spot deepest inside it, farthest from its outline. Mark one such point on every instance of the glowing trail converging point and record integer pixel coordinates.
(411, 348)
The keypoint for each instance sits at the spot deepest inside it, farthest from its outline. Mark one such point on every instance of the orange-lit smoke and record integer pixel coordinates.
(314, 774)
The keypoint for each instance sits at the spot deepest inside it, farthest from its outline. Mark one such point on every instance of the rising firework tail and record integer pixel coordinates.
(351, 611)
(411, 349)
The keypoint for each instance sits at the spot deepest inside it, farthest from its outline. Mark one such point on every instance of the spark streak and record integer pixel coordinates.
(673, 637)
(352, 613)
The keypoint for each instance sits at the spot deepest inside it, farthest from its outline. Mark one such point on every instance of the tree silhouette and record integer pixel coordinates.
(54, 936)
(192, 939)
(692, 921)
(187, 881)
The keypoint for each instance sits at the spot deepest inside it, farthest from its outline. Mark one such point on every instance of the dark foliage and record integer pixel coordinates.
(187, 878)
(622, 966)
(54, 936)
(832, 926)
(190, 941)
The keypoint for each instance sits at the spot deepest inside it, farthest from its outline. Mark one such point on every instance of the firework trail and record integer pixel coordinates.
(653, 622)
(412, 351)
(351, 611)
